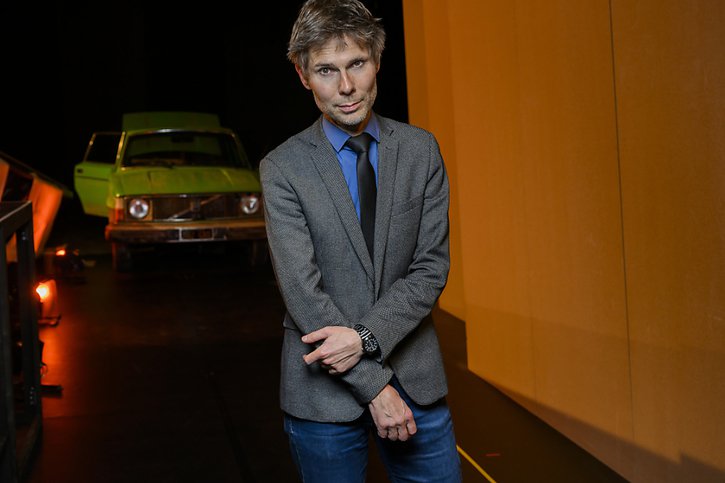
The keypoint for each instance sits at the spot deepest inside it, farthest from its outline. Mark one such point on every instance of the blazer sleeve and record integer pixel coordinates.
(293, 254)
(399, 310)
(299, 279)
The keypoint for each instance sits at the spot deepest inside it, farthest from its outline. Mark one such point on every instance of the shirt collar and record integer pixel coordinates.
(338, 137)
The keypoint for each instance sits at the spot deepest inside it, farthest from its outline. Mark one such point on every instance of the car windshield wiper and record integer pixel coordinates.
(140, 162)
(165, 162)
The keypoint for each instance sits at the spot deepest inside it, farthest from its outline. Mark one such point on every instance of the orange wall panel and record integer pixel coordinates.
(540, 212)
(588, 173)
(430, 105)
(671, 100)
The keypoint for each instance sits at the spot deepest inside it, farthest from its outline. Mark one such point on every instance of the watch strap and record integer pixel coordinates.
(369, 342)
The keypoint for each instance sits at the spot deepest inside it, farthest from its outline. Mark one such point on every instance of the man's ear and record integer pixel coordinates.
(303, 78)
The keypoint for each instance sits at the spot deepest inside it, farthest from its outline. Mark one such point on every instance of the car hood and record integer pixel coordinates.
(180, 180)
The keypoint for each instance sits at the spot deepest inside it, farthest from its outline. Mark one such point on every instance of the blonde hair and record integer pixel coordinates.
(322, 20)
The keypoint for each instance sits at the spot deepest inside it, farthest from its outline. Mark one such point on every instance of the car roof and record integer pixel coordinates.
(137, 121)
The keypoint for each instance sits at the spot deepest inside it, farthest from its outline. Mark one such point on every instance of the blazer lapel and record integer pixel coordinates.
(325, 160)
(387, 169)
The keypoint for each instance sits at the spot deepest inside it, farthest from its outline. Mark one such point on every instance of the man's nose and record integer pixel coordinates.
(346, 84)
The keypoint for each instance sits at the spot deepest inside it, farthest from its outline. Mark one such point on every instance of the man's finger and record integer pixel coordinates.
(411, 427)
(335, 359)
(315, 336)
(403, 434)
(313, 356)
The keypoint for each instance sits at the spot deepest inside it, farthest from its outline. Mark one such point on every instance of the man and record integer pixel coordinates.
(359, 245)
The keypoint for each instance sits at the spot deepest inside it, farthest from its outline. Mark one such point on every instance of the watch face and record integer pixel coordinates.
(370, 346)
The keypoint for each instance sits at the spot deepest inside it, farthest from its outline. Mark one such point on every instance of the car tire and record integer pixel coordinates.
(121, 256)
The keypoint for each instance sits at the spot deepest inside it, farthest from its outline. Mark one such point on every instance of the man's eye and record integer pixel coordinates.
(324, 71)
(358, 63)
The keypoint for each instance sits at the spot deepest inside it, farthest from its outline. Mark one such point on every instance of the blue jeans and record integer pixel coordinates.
(338, 452)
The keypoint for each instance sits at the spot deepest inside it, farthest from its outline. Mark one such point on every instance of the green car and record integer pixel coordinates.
(171, 177)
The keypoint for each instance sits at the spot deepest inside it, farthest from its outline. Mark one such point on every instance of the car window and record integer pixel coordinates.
(103, 147)
(183, 148)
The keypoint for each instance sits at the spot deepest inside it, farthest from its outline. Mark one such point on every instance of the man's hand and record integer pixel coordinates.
(340, 351)
(392, 416)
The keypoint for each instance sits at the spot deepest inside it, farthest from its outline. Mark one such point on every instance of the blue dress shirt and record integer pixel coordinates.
(348, 158)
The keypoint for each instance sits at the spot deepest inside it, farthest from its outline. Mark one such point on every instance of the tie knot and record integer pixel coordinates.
(359, 143)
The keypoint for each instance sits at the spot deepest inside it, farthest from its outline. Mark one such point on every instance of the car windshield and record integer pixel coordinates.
(184, 148)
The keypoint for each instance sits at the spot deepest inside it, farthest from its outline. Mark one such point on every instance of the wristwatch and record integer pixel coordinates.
(369, 342)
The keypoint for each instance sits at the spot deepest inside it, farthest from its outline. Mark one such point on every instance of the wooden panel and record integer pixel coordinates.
(493, 225)
(592, 216)
(573, 213)
(671, 92)
(537, 178)
(541, 226)
(430, 101)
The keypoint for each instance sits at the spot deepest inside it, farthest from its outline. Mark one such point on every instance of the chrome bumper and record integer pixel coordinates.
(184, 232)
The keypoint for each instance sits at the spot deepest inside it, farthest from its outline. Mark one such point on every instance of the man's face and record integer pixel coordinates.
(341, 75)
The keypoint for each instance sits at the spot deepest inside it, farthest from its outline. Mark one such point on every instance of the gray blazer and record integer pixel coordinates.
(326, 276)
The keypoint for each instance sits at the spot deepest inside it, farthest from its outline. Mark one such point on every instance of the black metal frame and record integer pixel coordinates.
(16, 218)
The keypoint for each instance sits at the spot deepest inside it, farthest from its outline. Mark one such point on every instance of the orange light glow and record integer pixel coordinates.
(60, 252)
(47, 291)
(43, 291)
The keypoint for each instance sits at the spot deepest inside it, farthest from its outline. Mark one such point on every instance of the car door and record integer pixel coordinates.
(91, 176)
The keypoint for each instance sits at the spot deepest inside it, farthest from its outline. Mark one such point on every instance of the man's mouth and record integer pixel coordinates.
(349, 107)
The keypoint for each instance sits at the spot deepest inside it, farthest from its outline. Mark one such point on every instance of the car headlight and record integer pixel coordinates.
(249, 204)
(138, 208)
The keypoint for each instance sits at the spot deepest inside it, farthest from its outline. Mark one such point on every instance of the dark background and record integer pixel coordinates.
(67, 70)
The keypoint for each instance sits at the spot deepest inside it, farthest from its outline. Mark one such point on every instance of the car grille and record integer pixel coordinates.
(176, 208)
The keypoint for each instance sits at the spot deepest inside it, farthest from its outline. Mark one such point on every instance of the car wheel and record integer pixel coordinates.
(257, 253)
(121, 255)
